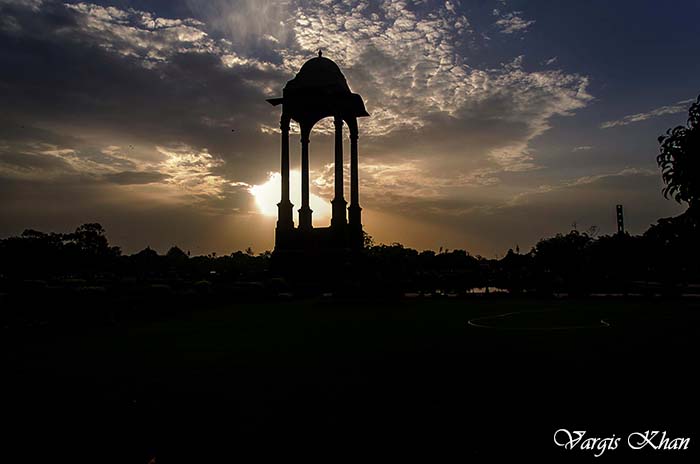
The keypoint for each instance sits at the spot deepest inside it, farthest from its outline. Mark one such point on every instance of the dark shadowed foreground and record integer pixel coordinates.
(368, 379)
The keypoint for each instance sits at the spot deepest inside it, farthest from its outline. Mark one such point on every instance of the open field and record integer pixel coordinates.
(339, 378)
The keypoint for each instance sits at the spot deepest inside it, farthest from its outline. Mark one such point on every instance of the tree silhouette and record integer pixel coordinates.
(175, 254)
(679, 160)
(90, 239)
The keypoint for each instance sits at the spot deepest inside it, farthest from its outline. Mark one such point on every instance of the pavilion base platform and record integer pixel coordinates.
(322, 255)
(318, 238)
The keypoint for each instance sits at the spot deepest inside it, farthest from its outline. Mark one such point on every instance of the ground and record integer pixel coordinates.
(333, 379)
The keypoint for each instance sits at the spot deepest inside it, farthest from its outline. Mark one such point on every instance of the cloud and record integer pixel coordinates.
(512, 23)
(135, 177)
(151, 39)
(253, 25)
(679, 107)
(581, 181)
(386, 183)
(629, 171)
(191, 170)
(33, 5)
(183, 172)
(553, 208)
(142, 106)
(132, 78)
(411, 64)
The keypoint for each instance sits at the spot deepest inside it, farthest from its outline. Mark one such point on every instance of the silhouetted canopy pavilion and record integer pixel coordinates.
(319, 90)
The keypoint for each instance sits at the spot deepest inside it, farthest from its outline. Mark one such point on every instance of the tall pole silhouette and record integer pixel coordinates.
(620, 220)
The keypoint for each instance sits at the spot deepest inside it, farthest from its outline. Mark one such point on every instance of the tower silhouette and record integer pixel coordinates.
(620, 220)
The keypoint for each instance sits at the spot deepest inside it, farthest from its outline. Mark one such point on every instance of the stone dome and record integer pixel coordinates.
(319, 73)
(317, 91)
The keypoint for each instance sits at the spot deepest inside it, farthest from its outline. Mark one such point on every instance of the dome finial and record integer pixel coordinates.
(320, 53)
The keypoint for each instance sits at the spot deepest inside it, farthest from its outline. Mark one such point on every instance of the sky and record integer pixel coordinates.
(494, 123)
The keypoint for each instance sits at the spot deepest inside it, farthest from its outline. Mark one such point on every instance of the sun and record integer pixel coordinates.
(267, 195)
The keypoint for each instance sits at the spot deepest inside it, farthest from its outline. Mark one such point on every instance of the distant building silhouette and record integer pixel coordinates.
(319, 90)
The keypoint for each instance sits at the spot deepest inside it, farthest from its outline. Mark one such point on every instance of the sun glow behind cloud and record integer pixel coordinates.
(267, 195)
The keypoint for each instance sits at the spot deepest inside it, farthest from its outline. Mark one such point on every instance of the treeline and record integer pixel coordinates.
(78, 279)
(86, 254)
(665, 259)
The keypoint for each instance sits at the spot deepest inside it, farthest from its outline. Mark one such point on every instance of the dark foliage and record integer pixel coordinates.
(38, 255)
(679, 159)
(665, 258)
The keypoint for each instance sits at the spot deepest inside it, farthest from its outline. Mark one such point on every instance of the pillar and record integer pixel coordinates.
(354, 211)
(305, 210)
(284, 207)
(339, 218)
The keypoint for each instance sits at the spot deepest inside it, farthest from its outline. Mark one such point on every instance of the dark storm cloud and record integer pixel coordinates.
(64, 76)
(135, 177)
(30, 162)
(19, 132)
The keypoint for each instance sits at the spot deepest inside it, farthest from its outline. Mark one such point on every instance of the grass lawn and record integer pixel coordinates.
(396, 377)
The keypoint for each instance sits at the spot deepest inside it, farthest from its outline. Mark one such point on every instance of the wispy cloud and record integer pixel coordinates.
(523, 197)
(31, 4)
(679, 107)
(191, 170)
(182, 171)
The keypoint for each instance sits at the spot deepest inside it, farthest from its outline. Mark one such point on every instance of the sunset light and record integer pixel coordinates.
(267, 195)
(339, 229)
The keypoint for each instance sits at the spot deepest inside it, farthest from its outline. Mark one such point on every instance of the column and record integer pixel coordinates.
(339, 203)
(354, 210)
(305, 210)
(284, 207)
